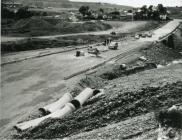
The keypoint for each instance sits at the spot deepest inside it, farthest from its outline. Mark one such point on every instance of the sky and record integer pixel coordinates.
(137, 3)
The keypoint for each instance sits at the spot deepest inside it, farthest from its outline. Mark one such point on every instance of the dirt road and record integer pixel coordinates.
(126, 27)
(161, 32)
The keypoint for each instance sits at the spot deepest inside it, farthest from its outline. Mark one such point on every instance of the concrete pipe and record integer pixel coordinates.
(84, 95)
(67, 97)
(99, 93)
(60, 113)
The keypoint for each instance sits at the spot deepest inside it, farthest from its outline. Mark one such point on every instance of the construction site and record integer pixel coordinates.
(94, 79)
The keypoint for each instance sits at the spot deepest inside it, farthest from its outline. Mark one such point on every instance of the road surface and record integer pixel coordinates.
(161, 32)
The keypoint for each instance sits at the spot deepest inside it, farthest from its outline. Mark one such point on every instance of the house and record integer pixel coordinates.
(11, 5)
(163, 16)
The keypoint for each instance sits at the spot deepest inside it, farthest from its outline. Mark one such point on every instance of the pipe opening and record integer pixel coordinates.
(96, 91)
(17, 128)
(76, 103)
(44, 112)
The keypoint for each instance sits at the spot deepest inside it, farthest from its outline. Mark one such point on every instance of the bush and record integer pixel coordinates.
(23, 13)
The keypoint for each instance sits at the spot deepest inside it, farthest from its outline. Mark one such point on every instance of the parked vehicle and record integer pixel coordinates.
(113, 46)
(149, 34)
(113, 33)
(143, 35)
(137, 36)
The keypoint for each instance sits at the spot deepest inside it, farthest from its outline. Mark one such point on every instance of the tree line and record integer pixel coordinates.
(150, 12)
(143, 13)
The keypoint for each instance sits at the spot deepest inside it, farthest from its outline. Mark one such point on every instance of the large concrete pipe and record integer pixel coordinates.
(60, 113)
(84, 95)
(67, 97)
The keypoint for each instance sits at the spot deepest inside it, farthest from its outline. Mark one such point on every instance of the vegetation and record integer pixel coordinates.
(172, 118)
(21, 13)
(143, 13)
(175, 12)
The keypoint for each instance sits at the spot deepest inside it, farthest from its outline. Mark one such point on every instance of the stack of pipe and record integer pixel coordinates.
(56, 105)
(61, 108)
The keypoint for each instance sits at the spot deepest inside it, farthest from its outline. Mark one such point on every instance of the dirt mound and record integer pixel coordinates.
(119, 72)
(109, 109)
(161, 54)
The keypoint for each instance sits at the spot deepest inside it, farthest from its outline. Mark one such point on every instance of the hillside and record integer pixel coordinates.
(175, 12)
(67, 4)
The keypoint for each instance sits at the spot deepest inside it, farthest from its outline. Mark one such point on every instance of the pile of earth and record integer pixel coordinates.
(38, 27)
(161, 54)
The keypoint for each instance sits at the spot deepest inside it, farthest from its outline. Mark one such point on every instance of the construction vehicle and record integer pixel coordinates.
(113, 46)
(93, 50)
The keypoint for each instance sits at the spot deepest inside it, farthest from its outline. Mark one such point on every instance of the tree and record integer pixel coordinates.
(5, 13)
(129, 11)
(84, 10)
(150, 11)
(161, 9)
(144, 12)
(101, 10)
(144, 9)
(23, 13)
(44, 14)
